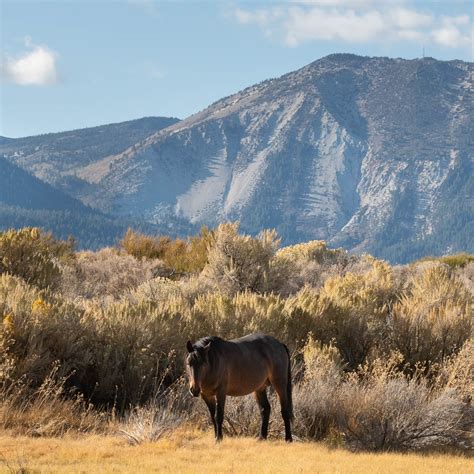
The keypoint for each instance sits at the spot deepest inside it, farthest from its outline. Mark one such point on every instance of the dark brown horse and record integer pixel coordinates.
(218, 368)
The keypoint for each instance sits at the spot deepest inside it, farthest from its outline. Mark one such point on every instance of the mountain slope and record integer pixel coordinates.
(59, 158)
(27, 201)
(357, 151)
(373, 154)
(19, 188)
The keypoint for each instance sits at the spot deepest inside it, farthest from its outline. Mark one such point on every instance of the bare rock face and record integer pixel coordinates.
(373, 154)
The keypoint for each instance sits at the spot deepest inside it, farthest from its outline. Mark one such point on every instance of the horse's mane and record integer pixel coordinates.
(204, 341)
(213, 354)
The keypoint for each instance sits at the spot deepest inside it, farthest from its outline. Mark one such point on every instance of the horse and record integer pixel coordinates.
(217, 368)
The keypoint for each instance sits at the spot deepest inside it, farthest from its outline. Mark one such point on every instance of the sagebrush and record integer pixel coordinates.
(383, 356)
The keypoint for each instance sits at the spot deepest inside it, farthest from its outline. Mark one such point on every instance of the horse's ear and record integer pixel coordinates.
(189, 346)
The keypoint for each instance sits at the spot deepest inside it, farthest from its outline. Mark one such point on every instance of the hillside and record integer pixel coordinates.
(372, 154)
(27, 200)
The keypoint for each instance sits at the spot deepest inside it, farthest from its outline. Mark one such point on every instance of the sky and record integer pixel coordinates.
(70, 64)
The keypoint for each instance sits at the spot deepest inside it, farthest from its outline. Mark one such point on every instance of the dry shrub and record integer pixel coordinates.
(181, 256)
(247, 312)
(458, 260)
(315, 251)
(144, 246)
(466, 274)
(149, 423)
(156, 289)
(40, 329)
(163, 414)
(309, 263)
(433, 319)
(189, 256)
(397, 414)
(315, 397)
(116, 332)
(194, 286)
(131, 347)
(240, 262)
(47, 410)
(242, 416)
(113, 353)
(106, 273)
(457, 372)
(351, 310)
(33, 255)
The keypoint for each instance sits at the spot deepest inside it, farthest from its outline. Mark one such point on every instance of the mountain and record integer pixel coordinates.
(373, 154)
(26, 200)
(57, 158)
(19, 188)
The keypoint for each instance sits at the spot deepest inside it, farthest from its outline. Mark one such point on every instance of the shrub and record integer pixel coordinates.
(453, 261)
(466, 274)
(383, 356)
(433, 319)
(33, 255)
(144, 246)
(47, 411)
(351, 310)
(458, 372)
(240, 262)
(42, 331)
(181, 256)
(313, 251)
(166, 412)
(310, 263)
(106, 273)
(189, 256)
(316, 396)
(396, 414)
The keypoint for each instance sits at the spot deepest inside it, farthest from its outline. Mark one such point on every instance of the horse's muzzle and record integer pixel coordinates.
(195, 391)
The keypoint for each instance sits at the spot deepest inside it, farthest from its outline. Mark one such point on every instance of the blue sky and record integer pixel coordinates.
(70, 64)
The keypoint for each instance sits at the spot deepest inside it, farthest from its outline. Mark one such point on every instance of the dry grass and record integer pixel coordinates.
(194, 451)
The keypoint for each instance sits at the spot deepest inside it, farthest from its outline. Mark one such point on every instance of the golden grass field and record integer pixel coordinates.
(196, 452)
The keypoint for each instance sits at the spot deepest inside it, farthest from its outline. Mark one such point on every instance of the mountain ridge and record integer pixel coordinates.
(343, 149)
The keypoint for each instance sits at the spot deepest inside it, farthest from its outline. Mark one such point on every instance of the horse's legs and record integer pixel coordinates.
(264, 405)
(211, 405)
(281, 389)
(220, 415)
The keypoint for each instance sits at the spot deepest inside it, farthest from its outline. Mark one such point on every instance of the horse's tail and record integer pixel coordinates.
(289, 388)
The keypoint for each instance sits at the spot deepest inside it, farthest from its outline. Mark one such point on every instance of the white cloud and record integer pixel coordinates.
(321, 24)
(356, 21)
(35, 67)
(406, 18)
(451, 33)
(449, 36)
(411, 35)
(456, 20)
(258, 17)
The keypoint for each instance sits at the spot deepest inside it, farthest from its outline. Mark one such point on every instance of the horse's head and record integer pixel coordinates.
(196, 366)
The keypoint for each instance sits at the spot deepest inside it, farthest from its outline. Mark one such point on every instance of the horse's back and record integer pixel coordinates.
(261, 344)
(253, 361)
